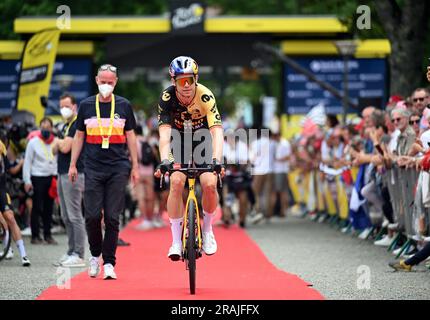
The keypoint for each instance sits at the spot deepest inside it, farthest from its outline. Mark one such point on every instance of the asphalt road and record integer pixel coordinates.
(339, 266)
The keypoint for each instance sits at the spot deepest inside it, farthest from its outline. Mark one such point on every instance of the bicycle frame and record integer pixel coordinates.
(191, 197)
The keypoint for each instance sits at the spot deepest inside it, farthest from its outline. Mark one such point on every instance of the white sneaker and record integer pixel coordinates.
(26, 232)
(74, 261)
(385, 223)
(9, 254)
(175, 251)
(158, 223)
(258, 217)
(109, 272)
(25, 262)
(94, 269)
(384, 242)
(145, 225)
(209, 244)
(397, 251)
(57, 230)
(366, 232)
(64, 257)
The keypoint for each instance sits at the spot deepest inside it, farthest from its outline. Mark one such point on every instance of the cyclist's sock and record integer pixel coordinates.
(6, 238)
(176, 227)
(207, 221)
(21, 248)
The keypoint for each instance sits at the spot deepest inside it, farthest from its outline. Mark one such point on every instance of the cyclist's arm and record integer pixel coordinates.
(164, 131)
(164, 124)
(214, 124)
(217, 134)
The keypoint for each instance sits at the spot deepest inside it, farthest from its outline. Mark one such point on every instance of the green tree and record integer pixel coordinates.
(406, 25)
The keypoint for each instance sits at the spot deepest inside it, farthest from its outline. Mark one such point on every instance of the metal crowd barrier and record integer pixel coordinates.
(331, 198)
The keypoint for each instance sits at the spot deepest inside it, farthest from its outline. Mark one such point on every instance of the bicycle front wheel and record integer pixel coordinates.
(191, 246)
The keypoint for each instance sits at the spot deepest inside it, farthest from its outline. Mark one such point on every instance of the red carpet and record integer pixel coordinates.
(238, 271)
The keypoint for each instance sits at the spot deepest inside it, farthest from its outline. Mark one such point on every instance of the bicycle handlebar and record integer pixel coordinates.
(188, 170)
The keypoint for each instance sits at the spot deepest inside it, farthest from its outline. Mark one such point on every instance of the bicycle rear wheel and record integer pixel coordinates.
(191, 246)
(5, 239)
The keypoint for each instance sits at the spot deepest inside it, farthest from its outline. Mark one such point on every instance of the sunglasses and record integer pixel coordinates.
(396, 120)
(412, 122)
(109, 67)
(182, 81)
(419, 99)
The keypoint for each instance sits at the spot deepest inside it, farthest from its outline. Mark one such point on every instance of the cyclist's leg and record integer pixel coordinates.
(15, 231)
(175, 211)
(208, 181)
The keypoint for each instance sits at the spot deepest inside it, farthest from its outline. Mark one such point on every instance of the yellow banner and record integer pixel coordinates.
(37, 66)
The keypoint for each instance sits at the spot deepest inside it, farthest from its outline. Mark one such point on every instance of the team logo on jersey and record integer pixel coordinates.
(206, 97)
(165, 96)
(117, 116)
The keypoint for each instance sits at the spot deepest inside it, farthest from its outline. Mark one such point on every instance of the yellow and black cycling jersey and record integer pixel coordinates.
(202, 110)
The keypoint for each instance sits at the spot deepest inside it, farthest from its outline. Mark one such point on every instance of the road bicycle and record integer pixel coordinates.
(191, 228)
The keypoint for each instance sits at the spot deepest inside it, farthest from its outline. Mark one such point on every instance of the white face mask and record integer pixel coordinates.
(105, 90)
(66, 113)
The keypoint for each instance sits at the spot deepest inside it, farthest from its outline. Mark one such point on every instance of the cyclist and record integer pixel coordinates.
(183, 102)
(6, 209)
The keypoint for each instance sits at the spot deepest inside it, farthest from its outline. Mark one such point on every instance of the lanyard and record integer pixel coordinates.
(69, 125)
(112, 114)
(49, 155)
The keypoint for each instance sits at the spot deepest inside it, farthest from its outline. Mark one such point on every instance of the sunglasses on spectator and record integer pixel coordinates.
(182, 81)
(412, 122)
(419, 99)
(396, 120)
(109, 67)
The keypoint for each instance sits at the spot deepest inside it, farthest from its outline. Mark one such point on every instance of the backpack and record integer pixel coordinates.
(147, 154)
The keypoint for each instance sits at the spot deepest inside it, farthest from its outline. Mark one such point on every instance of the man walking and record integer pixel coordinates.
(105, 124)
(70, 194)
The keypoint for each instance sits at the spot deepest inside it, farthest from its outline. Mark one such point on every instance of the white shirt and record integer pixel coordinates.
(283, 149)
(425, 139)
(39, 160)
(262, 156)
(392, 146)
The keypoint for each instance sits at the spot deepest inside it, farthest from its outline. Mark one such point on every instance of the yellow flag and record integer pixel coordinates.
(37, 66)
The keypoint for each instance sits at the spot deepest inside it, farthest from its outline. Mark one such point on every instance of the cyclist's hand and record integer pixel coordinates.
(163, 168)
(218, 168)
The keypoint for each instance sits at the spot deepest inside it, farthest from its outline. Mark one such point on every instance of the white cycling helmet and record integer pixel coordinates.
(183, 65)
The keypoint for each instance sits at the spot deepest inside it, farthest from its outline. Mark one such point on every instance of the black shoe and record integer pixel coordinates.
(37, 241)
(51, 240)
(122, 243)
(242, 224)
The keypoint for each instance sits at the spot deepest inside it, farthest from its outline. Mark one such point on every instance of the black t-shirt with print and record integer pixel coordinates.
(63, 160)
(115, 158)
